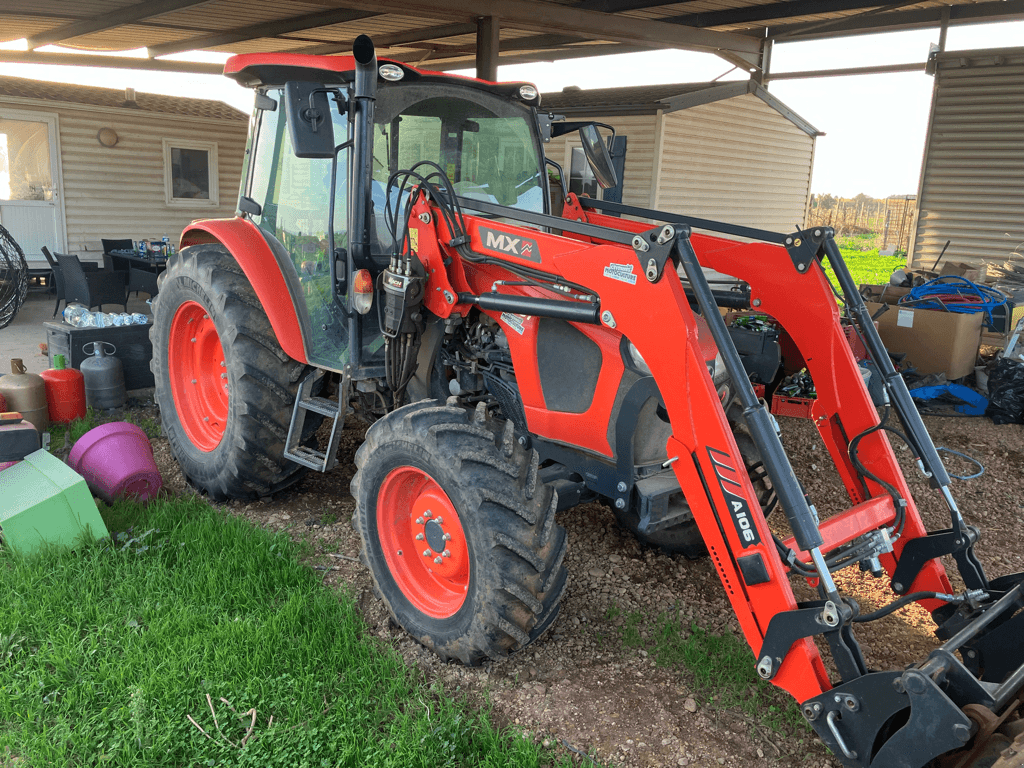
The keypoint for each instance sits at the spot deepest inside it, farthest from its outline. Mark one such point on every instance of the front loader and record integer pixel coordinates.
(395, 254)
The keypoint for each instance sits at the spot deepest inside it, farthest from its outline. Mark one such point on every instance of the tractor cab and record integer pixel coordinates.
(484, 136)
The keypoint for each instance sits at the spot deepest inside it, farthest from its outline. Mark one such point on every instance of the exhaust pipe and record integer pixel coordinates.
(364, 94)
(363, 98)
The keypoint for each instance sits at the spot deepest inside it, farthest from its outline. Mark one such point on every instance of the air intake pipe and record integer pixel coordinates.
(363, 97)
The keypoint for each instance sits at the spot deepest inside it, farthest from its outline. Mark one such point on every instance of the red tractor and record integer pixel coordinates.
(395, 254)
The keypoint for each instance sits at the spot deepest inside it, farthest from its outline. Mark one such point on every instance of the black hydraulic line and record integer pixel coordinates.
(912, 422)
(574, 311)
(755, 414)
(692, 221)
(895, 605)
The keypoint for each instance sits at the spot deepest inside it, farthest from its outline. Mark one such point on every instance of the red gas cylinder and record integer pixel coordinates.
(65, 392)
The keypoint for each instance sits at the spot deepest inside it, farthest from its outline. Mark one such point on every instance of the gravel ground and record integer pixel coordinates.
(580, 685)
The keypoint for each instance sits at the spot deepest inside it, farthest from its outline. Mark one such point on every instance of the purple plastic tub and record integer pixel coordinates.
(116, 461)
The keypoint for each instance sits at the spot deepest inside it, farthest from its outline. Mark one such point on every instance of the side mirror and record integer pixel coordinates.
(310, 124)
(598, 156)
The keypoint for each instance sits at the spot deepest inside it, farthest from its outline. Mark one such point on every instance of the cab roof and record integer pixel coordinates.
(255, 70)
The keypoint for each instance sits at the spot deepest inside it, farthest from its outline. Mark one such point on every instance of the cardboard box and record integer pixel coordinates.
(934, 342)
(964, 270)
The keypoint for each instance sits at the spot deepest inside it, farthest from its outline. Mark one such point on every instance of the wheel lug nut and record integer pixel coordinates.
(195, 381)
(419, 521)
(447, 537)
(438, 520)
(419, 537)
(438, 560)
(427, 553)
(428, 513)
(447, 553)
(206, 418)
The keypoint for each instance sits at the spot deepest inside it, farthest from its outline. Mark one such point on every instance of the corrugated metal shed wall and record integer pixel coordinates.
(737, 161)
(119, 192)
(972, 183)
(640, 153)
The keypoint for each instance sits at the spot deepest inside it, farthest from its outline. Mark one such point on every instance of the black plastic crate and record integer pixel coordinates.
(132, 343)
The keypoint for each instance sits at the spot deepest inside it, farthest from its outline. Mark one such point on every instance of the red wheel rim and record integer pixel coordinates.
(418, 527)
(199, 382)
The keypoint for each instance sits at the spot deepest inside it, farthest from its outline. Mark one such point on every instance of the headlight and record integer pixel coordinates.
(527, 92)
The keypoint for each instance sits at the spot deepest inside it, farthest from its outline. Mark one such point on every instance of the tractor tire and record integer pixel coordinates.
(224, 385)
(684, 538)
(458, 532)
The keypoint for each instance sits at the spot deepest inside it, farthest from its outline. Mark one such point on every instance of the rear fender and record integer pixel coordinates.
(270, 272)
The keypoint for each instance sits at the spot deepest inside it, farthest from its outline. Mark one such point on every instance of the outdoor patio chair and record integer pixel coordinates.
(142, 280)
(112, 246)
(91, 289)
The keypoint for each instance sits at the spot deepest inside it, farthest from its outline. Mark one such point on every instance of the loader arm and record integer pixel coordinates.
(630, 273)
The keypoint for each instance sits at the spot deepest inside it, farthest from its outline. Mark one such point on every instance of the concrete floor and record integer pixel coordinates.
(23, 337)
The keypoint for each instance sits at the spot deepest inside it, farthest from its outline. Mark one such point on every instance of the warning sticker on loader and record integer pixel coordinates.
(621, 272)
(739, 510)
(516, 322)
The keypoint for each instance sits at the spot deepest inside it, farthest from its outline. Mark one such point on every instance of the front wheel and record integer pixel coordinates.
(458, 532)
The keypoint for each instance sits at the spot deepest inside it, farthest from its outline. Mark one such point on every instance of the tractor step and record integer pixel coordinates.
(306, 402)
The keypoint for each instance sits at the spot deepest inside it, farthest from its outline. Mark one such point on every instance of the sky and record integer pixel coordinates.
(874, 125)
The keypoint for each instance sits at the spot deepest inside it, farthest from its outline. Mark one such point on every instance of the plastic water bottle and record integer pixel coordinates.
(73, 314)
(139, 319)
(167, 246)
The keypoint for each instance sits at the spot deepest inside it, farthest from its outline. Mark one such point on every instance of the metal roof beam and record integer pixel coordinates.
(977, 13)
(617, 6)
(383, 42)
(105, 21)
(109, 62)
(771, 11)
(577, 52)
(266, 29)
(545, 16)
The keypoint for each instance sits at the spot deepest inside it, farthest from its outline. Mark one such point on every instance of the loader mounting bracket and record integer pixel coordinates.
(959, 543)
(805, 245)
(656, 246)
(817, 617)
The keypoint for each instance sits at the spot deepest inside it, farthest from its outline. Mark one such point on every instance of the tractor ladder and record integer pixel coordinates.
(306, 402)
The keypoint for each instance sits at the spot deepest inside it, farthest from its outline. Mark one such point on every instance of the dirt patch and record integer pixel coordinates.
(583, 685)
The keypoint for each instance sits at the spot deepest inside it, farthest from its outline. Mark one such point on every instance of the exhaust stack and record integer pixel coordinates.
(363, 98)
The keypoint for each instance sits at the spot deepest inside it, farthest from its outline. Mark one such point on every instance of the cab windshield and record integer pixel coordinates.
(483, 143)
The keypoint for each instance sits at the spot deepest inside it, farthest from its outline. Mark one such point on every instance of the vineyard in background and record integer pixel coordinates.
(865, 223)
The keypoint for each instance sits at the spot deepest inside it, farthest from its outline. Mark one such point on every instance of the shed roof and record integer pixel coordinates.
(650, 99)
(24, 88)
(446, 33)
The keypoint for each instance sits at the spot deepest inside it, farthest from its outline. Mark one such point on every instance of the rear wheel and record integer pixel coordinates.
(458, 532)
(224, 385)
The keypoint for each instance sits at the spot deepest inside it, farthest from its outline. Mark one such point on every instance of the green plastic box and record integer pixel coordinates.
(45, 502)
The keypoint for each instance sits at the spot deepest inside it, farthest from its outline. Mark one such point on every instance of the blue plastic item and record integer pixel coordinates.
(974, 403)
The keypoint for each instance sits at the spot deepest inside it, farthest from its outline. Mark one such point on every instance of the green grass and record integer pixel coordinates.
(107, 650)
(720, 666)
(867, 266)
